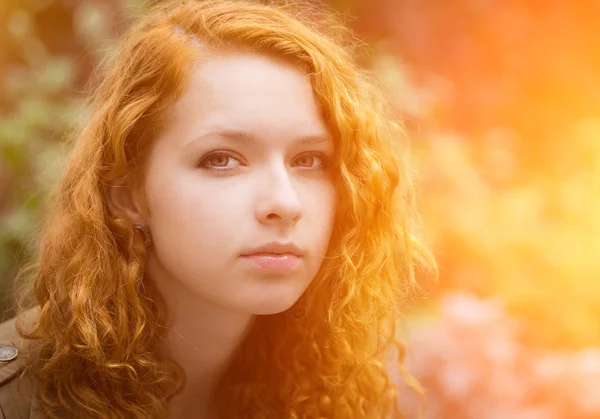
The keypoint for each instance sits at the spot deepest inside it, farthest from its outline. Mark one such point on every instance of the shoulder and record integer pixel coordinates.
(9, 350)
(16, 388)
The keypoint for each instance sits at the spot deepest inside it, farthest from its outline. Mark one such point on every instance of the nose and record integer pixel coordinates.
(278, 201)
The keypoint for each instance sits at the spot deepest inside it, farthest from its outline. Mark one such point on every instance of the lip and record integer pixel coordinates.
(274, 261)
(276, 248)
(275, 256)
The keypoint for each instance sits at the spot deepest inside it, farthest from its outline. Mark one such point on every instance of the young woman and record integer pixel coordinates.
(233, 236)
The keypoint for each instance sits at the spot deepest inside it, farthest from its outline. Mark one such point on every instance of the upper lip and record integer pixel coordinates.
(276, 247)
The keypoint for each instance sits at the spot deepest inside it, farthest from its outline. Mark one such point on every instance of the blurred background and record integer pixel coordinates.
(502, 100)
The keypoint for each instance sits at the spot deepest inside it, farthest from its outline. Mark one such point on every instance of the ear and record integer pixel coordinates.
(124, 202)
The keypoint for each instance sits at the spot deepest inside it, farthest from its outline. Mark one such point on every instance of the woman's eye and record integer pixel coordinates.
(311, 161)
(220, 161)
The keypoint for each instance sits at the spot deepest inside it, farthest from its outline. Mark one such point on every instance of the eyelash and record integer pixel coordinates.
(325, 160)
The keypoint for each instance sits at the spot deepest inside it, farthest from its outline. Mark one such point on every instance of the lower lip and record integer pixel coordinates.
(274, 262)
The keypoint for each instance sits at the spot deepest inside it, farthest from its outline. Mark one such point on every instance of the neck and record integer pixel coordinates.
(202, 340)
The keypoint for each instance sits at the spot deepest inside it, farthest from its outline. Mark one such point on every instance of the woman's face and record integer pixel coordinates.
(239, 189)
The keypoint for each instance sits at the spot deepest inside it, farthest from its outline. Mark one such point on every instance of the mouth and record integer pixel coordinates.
(276, 249)
(275, 256)
(273, 261)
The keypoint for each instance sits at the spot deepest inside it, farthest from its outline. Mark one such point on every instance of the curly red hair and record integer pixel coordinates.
(95, 351)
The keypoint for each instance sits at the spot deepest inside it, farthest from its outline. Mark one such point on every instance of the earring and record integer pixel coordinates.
(145, 231)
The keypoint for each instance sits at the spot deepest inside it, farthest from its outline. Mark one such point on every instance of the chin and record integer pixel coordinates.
(274, 306)
(269, 296)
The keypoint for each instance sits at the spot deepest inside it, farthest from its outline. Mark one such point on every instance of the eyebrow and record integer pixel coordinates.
(247, 137)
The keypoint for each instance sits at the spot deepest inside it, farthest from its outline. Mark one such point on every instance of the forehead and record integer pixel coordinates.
(252, 93)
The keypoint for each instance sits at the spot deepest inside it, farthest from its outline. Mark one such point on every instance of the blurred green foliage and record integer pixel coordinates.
(43, 73)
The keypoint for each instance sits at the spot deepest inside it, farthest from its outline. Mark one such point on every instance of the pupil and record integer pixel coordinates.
(307, 160)
(220, 160)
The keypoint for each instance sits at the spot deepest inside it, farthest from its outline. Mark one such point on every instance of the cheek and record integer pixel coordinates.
(187, 209)
(320, 207)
